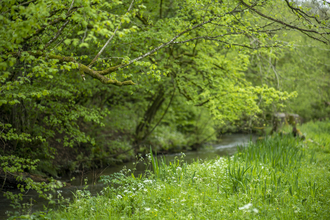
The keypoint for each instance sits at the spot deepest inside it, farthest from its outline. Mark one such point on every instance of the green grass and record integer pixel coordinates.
(276, 178)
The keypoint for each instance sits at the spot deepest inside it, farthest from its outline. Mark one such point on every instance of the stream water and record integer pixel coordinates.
(227, 146)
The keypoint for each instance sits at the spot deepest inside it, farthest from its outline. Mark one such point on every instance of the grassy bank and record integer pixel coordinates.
(276, 178)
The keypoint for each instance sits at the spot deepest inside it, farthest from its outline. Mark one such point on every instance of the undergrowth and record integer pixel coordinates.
(276, 178)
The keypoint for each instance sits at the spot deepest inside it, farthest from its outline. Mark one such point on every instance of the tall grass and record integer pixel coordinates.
(269, 169)
(162, 170)
(279, 152)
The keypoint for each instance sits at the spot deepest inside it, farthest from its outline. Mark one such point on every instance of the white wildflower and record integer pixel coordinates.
(147, 209)
(247, 206)
(147, 181)
(255, 210)
(119, 196)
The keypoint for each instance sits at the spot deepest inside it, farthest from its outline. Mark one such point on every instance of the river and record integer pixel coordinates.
(227, 146)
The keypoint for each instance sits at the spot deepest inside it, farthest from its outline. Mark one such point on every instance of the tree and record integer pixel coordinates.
(50, 52)
(302, 67)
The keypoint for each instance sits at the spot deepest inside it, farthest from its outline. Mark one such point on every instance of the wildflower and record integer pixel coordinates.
(247, 206)
(147, 209)
(147, 181)
(119, 196)
(255, 210)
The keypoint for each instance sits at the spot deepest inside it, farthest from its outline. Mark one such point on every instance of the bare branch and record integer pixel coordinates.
(70, 6)
(176, 37)
(305, 31)
(57, 34)
(221, 41)
(106, 44)
(57, 20)
(206, 37)
(203, 103)
(301, 12)
(171, 41)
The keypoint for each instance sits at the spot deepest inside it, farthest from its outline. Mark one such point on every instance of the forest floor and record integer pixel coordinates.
(280, 177)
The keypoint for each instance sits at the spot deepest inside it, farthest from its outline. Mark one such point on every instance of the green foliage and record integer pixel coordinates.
(13, 167)
(41, 62)
(166, 138)
(303, 69)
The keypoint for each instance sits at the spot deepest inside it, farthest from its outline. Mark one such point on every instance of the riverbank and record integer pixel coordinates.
(279, 177)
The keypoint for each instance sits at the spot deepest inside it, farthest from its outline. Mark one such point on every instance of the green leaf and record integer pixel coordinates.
(84, 45)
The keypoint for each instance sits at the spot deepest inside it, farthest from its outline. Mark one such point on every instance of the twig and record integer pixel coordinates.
(106, 44)
(305, 31)
(57, 34)
(25, 3)
(70, 6)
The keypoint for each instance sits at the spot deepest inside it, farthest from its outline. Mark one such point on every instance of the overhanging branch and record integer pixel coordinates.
(302, 30)
(83, 69)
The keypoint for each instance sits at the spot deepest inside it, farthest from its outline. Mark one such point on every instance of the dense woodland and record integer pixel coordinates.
(89, 83)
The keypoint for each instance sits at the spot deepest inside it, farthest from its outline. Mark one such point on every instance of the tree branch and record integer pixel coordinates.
(106, 44)
(169, 104)
(161, 9)
(58, 20)
(301, 12)
(305, 31)
(203, 103)
(176, 37)
(24, 3)
(57, 34)
(83, 68)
